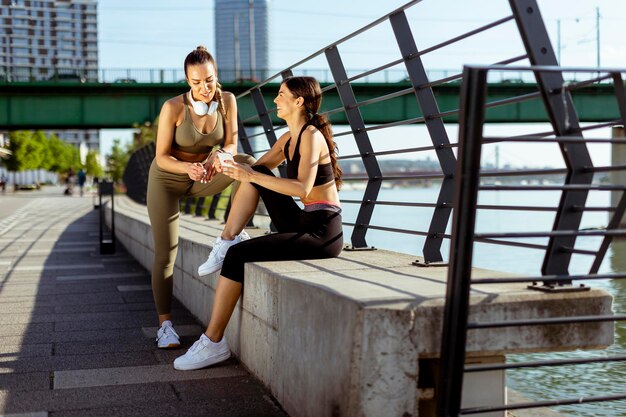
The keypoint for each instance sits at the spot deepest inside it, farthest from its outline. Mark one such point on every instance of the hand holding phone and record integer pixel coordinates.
(225, 156)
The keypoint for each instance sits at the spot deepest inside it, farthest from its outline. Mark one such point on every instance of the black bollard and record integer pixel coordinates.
(107, 240)
(199, 206)
(94, 200)
(187, 209)
(213, 206)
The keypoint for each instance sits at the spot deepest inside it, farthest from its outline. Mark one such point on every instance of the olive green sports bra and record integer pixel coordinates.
(188, 138)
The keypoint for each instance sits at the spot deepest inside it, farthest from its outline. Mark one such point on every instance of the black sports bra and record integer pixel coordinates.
(324, 171)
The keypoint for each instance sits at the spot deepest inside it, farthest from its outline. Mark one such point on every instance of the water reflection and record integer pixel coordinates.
(618, 255)
(617, 287)
(583, 380)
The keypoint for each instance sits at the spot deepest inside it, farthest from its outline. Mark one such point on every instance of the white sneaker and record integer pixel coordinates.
(202, 354)
(167, 336)
(243, 236)
(218, 253)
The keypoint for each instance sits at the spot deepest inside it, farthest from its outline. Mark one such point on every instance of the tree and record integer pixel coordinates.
(26, 151)
(33, 151)
(60, 160)
(146, 133)
(43, 158)
(73, 155)
(17, 142)
(116, 161)
(92, 165)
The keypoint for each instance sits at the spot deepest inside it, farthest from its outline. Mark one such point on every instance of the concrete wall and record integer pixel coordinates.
(359, 335)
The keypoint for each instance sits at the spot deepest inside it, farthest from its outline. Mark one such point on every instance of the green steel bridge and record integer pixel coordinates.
(62, 105)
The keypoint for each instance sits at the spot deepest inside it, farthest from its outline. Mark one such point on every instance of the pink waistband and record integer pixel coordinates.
(330, 203)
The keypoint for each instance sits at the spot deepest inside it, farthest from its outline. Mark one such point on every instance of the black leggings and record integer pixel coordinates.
(301, 235)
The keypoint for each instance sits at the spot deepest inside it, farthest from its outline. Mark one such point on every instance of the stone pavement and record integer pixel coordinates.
(77, 328)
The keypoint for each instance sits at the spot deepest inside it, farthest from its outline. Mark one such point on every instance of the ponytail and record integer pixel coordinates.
(220, 101)
(322, 124)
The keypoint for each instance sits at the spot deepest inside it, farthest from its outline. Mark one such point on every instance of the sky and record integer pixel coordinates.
(160, 33)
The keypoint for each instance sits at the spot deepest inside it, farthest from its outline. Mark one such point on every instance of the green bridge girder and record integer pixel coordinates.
(46, 105)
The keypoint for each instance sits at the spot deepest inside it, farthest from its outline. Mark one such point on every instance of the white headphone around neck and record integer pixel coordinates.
(200, 108)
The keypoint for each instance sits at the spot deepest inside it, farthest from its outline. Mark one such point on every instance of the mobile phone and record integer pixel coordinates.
(225, 156)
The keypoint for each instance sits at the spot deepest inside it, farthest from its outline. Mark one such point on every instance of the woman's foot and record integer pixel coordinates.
(218, 253)
(167, 337)
(203, 353)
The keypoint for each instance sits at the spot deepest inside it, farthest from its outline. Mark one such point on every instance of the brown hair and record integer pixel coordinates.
(201, 55)
(309, 89)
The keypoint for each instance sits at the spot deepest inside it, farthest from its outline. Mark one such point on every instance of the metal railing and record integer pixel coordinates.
(177, 75)
(562, 237)
(135, 175)
(411, 61)
(524, 21)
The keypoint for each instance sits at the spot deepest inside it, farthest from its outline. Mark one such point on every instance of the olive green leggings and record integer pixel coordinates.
(165, 189)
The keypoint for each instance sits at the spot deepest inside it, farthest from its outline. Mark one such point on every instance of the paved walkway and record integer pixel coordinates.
(77, 328)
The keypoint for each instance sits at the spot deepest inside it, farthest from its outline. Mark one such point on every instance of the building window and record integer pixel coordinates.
(20, 51)
(20, 42)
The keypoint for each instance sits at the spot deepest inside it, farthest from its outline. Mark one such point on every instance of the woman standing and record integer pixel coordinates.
(314, 232)
(193, 128)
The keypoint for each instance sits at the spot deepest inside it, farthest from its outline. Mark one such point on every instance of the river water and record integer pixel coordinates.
(537, 383)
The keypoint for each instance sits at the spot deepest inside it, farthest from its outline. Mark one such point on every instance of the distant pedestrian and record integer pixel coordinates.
(82, 178)
(3, 182)
(69, 182)
(193, 128)
(315, 232)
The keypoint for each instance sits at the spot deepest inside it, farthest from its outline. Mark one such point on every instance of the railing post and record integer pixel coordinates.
(266, 121)
(618, 152)
(564, 120)
(213, 207)
(618, 198)
(96, 199)
(187, 207)
(618, 156)
(438, 135)
(456, 310)
(107, 240)
(199, 207)
(243, 136)
(344, 89)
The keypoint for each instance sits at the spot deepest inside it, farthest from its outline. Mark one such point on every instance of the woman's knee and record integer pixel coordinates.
(242, 252)
(242, 158)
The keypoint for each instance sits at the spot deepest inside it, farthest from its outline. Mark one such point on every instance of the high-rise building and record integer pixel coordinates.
(51, 40)
(242, 39)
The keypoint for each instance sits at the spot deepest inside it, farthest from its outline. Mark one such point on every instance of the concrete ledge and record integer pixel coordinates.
(348, 336)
